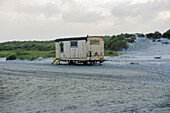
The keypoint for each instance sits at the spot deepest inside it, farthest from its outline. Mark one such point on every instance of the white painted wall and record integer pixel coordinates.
(82, 50)
(96, 48)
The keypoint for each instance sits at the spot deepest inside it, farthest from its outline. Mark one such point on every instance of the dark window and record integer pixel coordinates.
(73, 43)
(94, 42)
(61, 47)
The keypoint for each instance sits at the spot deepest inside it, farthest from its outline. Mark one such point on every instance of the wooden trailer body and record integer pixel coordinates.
(81, 49)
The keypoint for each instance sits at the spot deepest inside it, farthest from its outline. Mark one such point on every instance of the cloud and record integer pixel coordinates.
(48, 9)
(145, 16)
(77, 12)
(164, 15)
(44, 19)
(147, 10)
(81, 17)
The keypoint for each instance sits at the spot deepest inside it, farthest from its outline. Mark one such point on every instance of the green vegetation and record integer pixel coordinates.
(155, 35)
(11, 57)
(111, 53)
(27, 50)
(33, 49)
(28, 45)
(29, 55)
(118, 42)
(158, 35)
(140, 34)
(131, 40)
(2, 87)
(167, 34)
(126, 35)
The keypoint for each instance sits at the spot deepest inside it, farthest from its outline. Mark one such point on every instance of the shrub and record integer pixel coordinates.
(11, 57)
(131, 40)
(106, 40)
(155, 35)
(140, 34)
(167, 34)
(126, 35)
(116, 43)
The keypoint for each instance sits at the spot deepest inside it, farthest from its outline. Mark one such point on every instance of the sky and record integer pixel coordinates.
(50, 19)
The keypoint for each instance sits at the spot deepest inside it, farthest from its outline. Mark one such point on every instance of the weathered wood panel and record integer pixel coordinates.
(67, 49)
(83, 49)
(57, 50)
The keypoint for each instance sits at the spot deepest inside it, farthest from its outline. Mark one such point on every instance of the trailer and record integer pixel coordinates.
(89, 49)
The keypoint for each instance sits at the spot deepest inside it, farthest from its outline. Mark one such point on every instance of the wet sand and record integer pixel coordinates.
(122, 84)
(135, 82)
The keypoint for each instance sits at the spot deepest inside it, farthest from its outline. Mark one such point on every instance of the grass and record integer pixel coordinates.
(3, 87)
(32, 50)
(29, 55)
(111, 53)
(28, 45)
(32, 55)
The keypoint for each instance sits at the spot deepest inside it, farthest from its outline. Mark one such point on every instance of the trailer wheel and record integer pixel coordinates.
(71, 62)
(91, 62)
(85, 62)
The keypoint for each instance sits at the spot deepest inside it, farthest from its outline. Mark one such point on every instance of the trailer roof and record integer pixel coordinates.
(77, 38)
(72, 38)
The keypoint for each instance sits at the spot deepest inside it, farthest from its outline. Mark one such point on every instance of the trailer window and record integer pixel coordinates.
(94, 42)
(73, 43)
(61, 47)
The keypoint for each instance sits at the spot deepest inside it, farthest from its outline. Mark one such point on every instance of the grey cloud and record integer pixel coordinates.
(81, 17)
(79, 14)
(48, 9)
(20, 19)
(147, 11)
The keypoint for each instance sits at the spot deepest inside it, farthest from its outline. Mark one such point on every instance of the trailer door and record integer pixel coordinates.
(73, 49)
